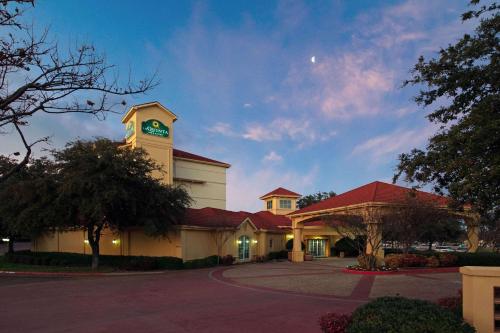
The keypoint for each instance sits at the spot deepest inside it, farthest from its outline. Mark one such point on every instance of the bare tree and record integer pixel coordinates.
(36, 75)
(221, 235)
(365, 236)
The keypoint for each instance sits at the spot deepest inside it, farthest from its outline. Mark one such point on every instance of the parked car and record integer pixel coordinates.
(443, 248)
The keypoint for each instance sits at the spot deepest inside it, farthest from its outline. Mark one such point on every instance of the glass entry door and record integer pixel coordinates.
(244, 248)
(317, 247)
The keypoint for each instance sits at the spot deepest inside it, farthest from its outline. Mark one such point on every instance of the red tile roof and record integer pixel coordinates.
(373, 192)
(219, 218)
(190, 156)
(280, 191)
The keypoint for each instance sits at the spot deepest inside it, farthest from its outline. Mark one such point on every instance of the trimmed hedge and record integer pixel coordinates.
(478, 259)
(80, 260)
(278, 255)
(210, 261)
(402, 315)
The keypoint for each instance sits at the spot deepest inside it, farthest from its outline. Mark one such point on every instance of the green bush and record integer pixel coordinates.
(401, 315)
(278, 255)
(289, 245)
(348, 246)
(82, 260)
(478, 259)
(210, 261)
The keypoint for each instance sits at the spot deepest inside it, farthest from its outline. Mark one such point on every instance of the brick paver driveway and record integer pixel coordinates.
(269, 297)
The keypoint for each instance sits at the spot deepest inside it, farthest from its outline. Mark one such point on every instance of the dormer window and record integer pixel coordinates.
(285, 204)
(269, 204)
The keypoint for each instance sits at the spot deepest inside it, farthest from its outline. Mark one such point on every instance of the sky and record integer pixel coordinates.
(241, 78)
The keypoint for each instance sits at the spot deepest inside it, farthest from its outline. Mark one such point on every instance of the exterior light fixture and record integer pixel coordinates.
(289, 236)
(238, 241)
(116, 241)
(5, 239)
(86, 241)
(254, 241)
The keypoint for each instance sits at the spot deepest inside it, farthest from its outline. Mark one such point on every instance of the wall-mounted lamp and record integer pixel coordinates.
(116, 241)
(86, 241)
(254, 241)
(238, 241)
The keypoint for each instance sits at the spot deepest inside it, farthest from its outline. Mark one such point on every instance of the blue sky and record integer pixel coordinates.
(240, 78)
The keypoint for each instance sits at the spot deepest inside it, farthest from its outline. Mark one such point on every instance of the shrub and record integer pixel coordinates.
(227, 260)
(413, 260)
(209, 261)
(81, 260)
(393, 260)
(478, 259)
(432, 262)
(447, 259)
(349, 246)
(289, 245)
(334, 323)
(278, 255)
(397, 314)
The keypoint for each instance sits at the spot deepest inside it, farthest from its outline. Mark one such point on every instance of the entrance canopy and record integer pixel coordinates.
(370, 203)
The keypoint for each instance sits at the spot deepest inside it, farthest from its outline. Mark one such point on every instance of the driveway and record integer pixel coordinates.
(277, 297)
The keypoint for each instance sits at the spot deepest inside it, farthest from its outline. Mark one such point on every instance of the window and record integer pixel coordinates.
(270, 204)
(286, 204)
(271, 243)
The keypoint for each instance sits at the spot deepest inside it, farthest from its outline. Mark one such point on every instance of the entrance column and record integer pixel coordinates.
(473, 234)
(297, 253)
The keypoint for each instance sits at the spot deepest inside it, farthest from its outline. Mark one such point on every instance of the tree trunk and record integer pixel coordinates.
(94, 237)
(11, 245)
(430, 246)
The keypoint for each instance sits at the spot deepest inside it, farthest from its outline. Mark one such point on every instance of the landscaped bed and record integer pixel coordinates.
(428, 262)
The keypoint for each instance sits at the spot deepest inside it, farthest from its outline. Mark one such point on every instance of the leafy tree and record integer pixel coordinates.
(310, 199)
(463, 82)
(36, 76)
(100, 185)
(420, 220)
(24, 199)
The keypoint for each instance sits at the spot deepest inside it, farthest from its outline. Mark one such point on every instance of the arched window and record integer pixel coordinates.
(244, 248)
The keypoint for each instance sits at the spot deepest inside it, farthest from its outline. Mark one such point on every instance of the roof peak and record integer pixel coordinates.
(281, 191)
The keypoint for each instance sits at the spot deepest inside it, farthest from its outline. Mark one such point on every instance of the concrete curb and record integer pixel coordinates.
(79, 274)
(404, 271)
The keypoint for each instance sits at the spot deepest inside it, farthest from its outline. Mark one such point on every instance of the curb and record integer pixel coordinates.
(415, 271)
(78, 274)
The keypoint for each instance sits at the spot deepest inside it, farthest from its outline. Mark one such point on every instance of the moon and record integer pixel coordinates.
(313, 59)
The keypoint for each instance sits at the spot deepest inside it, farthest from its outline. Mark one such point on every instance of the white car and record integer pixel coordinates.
(442, 248)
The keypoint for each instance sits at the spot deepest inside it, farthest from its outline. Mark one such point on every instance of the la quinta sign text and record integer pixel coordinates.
(154, 127)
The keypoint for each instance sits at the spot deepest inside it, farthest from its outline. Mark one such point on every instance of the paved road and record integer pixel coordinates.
(178, 301)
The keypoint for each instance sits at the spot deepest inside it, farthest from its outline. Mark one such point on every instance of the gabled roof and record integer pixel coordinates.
(145, 105)
(372, 192)
(219, 218)
(282, 192)
(193, 157)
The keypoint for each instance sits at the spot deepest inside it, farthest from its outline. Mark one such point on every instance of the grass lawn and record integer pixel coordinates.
(11, 267)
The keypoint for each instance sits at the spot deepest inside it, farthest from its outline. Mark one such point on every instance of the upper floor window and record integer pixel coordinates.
(285, 203)
(270, 204)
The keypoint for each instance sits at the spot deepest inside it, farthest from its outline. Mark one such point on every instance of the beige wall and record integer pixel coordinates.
(133, 242)
(207, 187)
(478, 285)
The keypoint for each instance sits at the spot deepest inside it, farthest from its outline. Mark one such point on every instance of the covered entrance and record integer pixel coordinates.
(316, 247)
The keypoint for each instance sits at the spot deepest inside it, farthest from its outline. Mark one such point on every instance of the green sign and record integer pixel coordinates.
(130, 129)
(154, 127)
